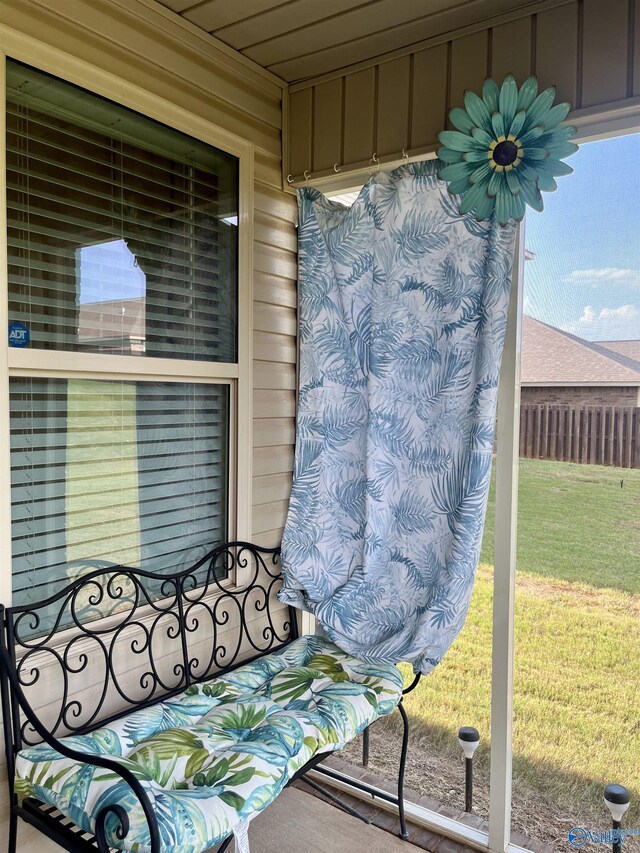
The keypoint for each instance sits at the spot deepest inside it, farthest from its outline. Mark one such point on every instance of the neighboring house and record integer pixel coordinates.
(561, 369)
(117, 325)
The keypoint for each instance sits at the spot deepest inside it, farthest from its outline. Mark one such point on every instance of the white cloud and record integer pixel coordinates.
(603, 275)
(607, 324)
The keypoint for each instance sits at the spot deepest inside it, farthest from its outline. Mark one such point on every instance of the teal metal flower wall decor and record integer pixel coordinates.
(508, 146)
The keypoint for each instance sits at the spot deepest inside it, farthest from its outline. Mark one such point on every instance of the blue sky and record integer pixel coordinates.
(108, 271)
(585, 274)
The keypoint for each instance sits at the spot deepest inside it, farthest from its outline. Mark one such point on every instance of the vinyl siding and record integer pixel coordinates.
(142, 45)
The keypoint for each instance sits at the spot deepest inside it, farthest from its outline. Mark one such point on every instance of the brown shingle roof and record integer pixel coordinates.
(550, 355)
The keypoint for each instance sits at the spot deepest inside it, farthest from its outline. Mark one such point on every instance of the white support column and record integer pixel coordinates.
(506, 519)
(5, 459)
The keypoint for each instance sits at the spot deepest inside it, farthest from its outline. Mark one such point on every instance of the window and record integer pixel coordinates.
(123, 336)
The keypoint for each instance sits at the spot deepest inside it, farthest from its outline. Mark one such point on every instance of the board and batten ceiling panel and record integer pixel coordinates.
(557, 50)
(604, 59)
(272, 22)
(359, 112)
(299, 39)
(635, 82)
(585, 48)
(429, 107)
(301, 131)
(511, 50)
(327, 124)
(469, 61)
(216, 14)
(394, 92)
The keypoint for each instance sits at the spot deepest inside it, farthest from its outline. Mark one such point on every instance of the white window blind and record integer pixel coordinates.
(130, 473)
(83, 172)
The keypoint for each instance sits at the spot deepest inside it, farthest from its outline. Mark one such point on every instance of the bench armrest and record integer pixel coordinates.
(8, 671)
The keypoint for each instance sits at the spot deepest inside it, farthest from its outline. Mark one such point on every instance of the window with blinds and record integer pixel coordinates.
(129, 473)
(122, 237)
(122, 232)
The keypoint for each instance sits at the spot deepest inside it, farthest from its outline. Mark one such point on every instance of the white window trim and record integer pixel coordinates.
(31, 362)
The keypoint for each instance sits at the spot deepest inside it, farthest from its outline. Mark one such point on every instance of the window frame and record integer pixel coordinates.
(237, 376)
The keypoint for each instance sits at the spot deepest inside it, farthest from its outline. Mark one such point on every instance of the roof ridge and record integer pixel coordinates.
(612, 355)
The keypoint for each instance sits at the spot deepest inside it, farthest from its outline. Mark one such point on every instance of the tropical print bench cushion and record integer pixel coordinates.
(221, 751)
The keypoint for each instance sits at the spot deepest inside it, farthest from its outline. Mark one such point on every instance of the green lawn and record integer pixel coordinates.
(577, 655)
(576, 523)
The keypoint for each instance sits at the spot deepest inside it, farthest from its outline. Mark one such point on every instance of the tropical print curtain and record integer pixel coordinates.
(403, 307)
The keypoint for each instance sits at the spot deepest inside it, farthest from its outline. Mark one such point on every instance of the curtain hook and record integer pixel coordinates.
(404, 154)
(307, 175)
(290, 179)
(337, 168)
(375, 159)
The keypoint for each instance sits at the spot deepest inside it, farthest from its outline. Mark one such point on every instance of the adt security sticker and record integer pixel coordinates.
(19, 335)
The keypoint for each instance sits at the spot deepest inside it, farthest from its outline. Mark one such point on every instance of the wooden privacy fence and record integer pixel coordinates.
(594, 435)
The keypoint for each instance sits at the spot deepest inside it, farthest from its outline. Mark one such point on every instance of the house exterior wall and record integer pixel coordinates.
(401, 101)
(588, 395)
(143, 45)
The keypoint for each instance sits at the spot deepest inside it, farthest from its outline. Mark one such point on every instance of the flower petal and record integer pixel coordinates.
(555, 115)
(540, 106)
(532, 196)
(531, 135)
(457, 141)
(565, 149)
(460, 185)
(456, 171)
(496, 181)
(475, 156)
(490, 95)
(528, 92)
(535, 153)
(503, 208)
(508, 99)
(547, 183)
(482, 136)
(498, 124)
(559, 134)
(517, 123)
(513, 181)
(484, 208)
(472, 197)
(553, 168)
(477, 110)
(481, 173)
(518, 207)
(447, 155)
(460, 120)
(527, 173)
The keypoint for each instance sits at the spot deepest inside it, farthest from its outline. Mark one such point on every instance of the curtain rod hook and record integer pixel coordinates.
(307, 175)
(290, 179)
(404, 154)
(375, 159)
(337, 168)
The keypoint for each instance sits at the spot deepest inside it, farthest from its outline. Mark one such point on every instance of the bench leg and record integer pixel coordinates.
(12, 840)
(225, 844)
(403, 762)
(365, 747)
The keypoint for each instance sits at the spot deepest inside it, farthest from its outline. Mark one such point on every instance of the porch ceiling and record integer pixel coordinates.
(297, 39)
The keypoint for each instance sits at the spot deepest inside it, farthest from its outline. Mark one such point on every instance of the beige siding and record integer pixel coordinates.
(142, 46)
(399, 102)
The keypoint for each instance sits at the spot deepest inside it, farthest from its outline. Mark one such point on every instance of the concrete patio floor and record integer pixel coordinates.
(298, 822)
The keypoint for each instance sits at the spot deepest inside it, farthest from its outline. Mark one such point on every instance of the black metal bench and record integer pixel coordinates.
(124, 639)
